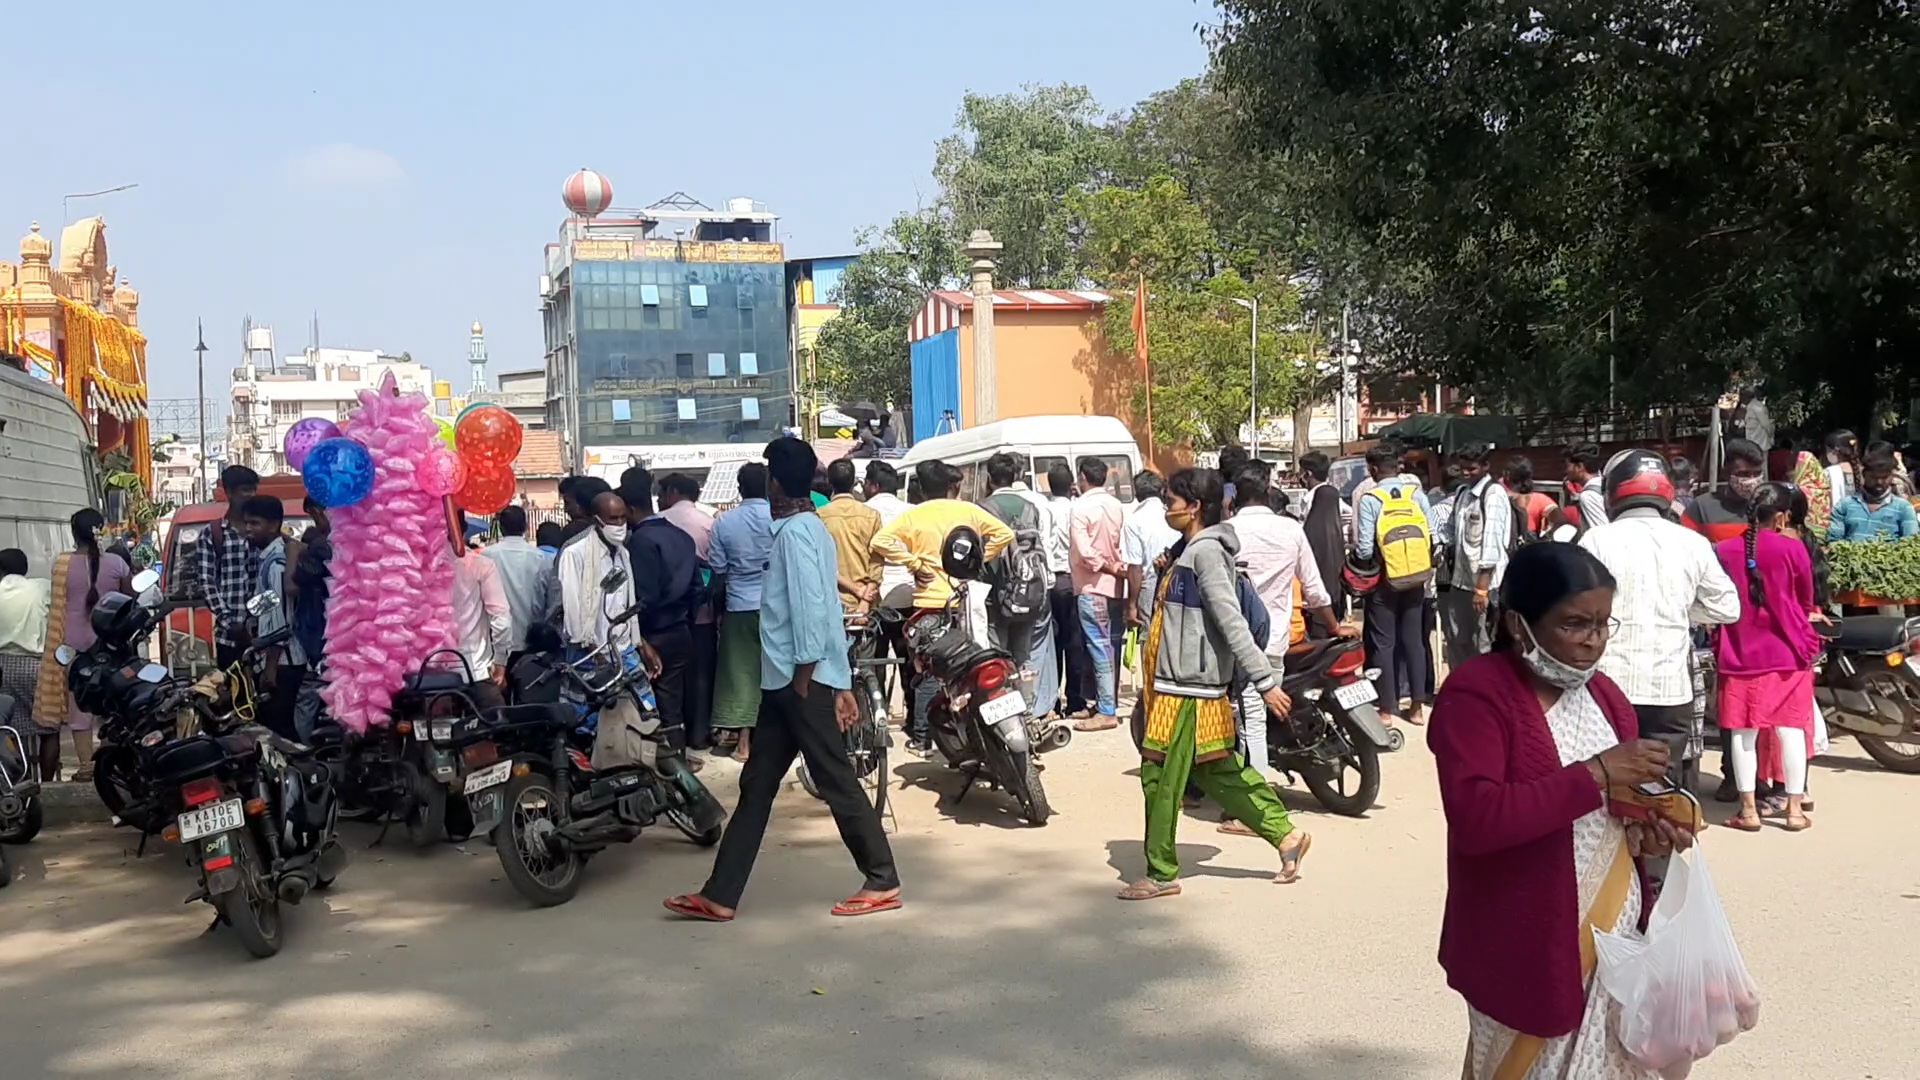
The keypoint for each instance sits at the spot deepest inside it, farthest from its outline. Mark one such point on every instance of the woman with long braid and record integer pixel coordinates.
(1766, 658)
(80, 578)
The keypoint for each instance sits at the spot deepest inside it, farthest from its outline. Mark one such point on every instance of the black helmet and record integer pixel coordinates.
(118, 618)
(960, 554)
(1637, 478)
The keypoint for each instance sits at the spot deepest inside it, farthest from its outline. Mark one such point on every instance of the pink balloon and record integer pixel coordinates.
(442, 473)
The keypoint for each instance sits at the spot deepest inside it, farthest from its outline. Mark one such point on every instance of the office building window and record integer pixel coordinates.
(650, 295)
(687, 410)
(749, 408)
(697, 295)
(749, 363)
(622, 409)
(683, 365)
(717, 365)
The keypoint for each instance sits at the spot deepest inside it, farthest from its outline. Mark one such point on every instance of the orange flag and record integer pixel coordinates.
(1140, 353)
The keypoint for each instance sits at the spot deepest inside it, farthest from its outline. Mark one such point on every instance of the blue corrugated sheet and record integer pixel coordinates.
(936, 382)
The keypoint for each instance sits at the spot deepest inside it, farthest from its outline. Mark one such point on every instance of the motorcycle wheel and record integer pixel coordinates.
(1029, 791)
(1350, 787)
(254, 919)
(426, 814)
(1892, 756)
(542, 875)
(116, 780)
(684, 822)
(30, 824)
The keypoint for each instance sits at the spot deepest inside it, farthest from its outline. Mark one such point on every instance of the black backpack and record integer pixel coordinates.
(1021, 583)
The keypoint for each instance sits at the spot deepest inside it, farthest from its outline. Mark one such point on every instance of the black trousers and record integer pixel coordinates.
(1429, 621)
(788, 725)
(1395, 625)
(1070, 647)
(675, 647)
(282, 697)
(701, 664)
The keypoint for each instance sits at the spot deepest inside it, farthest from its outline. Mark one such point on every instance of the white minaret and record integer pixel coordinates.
(477, 356)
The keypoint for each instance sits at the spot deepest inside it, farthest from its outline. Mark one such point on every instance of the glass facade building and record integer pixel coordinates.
(672, 352)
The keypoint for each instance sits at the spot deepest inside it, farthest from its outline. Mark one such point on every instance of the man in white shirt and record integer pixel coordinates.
(896, 582)
(482, 623)
(1479, 541)
(1144, 536)
(1275, 553)
(526, 575)
(1667, 579)
(1069, 640)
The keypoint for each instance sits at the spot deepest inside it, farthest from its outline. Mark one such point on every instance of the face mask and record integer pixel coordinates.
(1874, 492)
(1743, 487)
(615, 533)
(1180, 520)
(1552, 670)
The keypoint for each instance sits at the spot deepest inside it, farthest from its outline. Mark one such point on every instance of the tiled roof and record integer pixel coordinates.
(942, 310)
(539, 455)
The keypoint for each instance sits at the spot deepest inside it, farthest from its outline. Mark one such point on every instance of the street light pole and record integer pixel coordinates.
(1253, 376)
(200, 360)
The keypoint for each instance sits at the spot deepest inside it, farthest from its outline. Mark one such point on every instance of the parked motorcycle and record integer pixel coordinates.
(408, 771)
(1333, 737)
(1866, 686)
(560, 791)
(21, 813)
(980, 721)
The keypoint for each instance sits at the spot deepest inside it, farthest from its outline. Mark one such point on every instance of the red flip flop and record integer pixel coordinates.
(695, 907)
(854, 906)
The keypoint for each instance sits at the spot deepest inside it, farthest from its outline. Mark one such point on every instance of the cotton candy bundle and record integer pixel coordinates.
(391, 601)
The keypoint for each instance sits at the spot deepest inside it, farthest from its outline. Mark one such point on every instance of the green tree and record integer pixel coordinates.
(1729, 186)
(862, 353)
(1009, 167)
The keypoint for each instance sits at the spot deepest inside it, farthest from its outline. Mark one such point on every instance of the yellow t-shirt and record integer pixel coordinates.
(915, 537)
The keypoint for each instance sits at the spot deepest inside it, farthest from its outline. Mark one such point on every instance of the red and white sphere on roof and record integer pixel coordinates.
(587, 193)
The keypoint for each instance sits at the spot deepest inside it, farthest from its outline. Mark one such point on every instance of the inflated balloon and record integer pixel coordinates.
(445, 431)
(442, 472)
(338, 472)
(303, 436)
(489, 487)
(488, 433)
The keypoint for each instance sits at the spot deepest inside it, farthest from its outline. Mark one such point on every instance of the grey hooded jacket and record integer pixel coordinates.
(1203, 636)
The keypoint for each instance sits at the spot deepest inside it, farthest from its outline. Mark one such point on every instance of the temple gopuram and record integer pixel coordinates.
(77, 326)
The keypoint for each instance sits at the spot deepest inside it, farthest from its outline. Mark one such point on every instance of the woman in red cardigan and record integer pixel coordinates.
(1526, 739)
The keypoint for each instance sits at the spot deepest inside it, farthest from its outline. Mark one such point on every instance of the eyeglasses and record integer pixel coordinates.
(1588, 630)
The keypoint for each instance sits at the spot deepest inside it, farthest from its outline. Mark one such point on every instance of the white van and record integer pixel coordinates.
(47, 468)
(1043, 441)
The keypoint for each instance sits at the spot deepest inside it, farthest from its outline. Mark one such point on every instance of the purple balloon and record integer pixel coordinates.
(304, 436)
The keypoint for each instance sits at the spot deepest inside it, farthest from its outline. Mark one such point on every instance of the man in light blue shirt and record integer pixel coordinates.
(1874, 512)
(737, 552)
(807, 683)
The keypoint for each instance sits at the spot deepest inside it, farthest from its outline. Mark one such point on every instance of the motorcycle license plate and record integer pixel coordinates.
(491, 776)
(1355, 694)
(1008, 704)
(208, 820)
(441, 730)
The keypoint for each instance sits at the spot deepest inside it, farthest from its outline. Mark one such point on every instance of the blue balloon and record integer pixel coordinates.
(338, 472)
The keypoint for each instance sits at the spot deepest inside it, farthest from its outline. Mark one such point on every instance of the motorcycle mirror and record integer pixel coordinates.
(64, 655)
(144, 580)
(153, 673)
(261, 603)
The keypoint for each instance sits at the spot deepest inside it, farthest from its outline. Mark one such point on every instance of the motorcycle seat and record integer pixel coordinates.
(1872, 633)
(422, 683)
(553, 714)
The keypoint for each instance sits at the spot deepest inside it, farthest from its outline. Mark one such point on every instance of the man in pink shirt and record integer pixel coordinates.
(1093, 556)
(680, 506)
(482, 623)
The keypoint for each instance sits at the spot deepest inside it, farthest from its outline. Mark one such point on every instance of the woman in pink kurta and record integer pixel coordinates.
(1766, 658)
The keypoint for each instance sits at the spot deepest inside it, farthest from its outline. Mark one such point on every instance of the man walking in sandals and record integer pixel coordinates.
(806, 702)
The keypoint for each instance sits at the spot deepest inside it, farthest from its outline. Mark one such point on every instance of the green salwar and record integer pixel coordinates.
(1227, 780)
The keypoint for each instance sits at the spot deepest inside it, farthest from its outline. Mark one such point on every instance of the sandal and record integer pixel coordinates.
(1149, 889)
(854, 906)
(696, 907)
(1290, 861)
(1102, 722)
(1798, 824)
(1774, 806)
(1236, 827)
(1743, 823)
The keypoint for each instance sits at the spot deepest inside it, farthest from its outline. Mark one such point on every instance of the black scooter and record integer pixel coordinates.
(1866, 686)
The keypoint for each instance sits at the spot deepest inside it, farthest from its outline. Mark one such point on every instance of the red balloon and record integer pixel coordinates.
(490, 486)
(487, 433)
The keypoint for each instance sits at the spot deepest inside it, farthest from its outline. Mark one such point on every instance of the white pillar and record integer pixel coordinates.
(981, 248)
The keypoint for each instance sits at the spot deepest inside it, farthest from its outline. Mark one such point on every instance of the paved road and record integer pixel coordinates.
(1011, 959)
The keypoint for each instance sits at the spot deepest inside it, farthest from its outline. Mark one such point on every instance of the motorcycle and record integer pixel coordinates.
(980, 720)
(560, 791)
(1333, 737)
(1865, 686)
(21, 813)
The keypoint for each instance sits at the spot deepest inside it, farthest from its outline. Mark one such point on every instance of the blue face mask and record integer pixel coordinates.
(1551, 669)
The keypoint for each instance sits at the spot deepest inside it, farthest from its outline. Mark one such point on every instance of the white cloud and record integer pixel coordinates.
(345, 167)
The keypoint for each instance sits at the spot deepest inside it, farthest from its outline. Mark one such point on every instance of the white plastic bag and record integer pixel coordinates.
(1682, 991)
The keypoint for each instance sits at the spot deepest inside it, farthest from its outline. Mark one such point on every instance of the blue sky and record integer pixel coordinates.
(397, 166)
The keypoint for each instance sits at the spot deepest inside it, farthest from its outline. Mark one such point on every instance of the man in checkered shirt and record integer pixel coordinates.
(229, 567)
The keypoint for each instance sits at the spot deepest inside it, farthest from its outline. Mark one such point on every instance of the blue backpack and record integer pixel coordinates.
(1252, 609)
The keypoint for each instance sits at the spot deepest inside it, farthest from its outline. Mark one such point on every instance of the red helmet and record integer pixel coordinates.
(1635, 478)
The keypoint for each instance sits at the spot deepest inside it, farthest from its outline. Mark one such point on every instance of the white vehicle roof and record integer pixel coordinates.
(1024, 432)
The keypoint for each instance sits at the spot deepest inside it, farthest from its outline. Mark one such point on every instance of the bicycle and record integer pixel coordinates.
(868, 739)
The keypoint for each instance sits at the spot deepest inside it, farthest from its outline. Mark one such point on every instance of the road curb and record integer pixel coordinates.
(72, 804)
